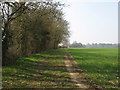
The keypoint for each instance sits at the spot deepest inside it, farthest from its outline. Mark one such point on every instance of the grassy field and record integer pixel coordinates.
(99, 64)
(42, 70)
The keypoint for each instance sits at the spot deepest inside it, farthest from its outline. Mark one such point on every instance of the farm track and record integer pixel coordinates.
(77, 74)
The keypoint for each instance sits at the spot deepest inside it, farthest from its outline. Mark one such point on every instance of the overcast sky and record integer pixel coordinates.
(95, 21)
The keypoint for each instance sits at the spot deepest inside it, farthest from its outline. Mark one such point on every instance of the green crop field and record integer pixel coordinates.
(99, 64)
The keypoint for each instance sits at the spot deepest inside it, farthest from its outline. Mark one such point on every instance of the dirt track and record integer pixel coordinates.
(77, 74)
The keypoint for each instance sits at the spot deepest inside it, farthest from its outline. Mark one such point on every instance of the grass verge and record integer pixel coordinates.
(42, 70)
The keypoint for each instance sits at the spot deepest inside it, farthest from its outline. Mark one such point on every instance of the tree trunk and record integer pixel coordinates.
(5, 44)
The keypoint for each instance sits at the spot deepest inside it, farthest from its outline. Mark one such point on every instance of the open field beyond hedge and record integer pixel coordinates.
(99, 64)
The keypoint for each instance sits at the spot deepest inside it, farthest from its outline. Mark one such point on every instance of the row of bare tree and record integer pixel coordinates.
(31, 27)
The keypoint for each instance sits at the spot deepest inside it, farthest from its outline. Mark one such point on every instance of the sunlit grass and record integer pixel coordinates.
(99, 64)
(42, 70)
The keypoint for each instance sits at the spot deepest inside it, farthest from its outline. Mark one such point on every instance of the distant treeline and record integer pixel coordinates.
(31, 27)
(93, 45)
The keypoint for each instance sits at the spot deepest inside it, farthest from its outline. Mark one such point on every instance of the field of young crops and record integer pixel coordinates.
(99, 64)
